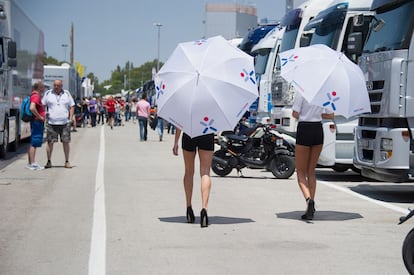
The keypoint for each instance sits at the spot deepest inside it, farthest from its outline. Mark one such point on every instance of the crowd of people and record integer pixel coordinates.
(57, 112)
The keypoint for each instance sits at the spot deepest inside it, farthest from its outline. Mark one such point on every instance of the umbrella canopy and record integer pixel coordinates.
(205, 86)
(326, 78)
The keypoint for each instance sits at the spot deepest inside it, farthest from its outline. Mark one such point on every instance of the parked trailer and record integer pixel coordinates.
(21, 64)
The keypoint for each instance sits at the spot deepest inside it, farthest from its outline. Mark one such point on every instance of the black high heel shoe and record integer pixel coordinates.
(310, 211)
(190, 215)
(203, 218)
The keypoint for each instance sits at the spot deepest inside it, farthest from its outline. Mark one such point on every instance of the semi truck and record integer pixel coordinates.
(332, 27)
(384, 143)
(265, 53)
(21, 64)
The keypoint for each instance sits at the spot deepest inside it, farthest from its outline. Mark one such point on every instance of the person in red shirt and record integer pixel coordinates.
(110, 108)
(36, 125)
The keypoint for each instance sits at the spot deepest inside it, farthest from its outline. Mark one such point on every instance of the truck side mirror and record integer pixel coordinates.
(12, 62)
(11, 49)
(355, 43)
(304, 41)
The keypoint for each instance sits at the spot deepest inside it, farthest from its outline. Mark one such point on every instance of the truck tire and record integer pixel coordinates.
(408, 251)
(5, 143)
(15, 144)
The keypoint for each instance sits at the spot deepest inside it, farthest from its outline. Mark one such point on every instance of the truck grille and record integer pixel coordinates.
(375, 89)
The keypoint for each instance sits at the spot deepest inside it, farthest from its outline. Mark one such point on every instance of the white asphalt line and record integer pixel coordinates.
(381, 203)
(97, 256)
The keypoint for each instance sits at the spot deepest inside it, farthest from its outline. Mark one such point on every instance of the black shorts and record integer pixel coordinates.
(205, 142)
(309, 133)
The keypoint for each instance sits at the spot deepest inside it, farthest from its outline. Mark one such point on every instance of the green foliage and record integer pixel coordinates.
(127, 78)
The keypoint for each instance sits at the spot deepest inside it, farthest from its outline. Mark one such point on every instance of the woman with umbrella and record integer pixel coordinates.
(204, 87)
(205, 146)
(309, 142)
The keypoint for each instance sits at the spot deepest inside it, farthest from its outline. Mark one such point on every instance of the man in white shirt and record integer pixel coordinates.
(60, 108)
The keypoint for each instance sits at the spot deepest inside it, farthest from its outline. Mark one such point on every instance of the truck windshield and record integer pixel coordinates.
(260, 59)
(328, 25)
(291, 21)
(396, 32)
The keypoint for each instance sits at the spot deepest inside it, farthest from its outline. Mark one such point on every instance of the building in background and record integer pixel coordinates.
(229, 20)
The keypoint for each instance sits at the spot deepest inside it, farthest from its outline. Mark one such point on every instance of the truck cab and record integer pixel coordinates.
(332, 27)
(384, 143)
(265, 53)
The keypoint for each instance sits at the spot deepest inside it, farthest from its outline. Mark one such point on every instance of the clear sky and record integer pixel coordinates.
(110, 33)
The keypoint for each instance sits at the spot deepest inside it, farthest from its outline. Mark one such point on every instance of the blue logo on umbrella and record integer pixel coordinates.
(248, 76)
(208, 125)
(200, 42)
(332, 97)
(291, 58)
(160, 89)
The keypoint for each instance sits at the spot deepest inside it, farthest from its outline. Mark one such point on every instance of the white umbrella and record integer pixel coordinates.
(205, 86)
(326, 78)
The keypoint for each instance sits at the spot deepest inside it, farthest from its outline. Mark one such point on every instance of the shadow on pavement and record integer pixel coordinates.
(211, 220)
(402, 193)
(321, 215)
(332, 176)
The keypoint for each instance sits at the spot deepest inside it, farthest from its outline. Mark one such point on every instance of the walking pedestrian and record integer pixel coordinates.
(309, 142)
(60, 109)
(110, 110)
(134, 109)
(204, 145)
(92, 110)
(36, 125)
(101, 111)
(143, 112)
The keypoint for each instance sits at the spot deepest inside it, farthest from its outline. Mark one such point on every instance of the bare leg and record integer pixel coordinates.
(49, 150)
(66, 149)
(188, 175)
(31, 154)
(301, 158)
(205, 164)
(315, 152)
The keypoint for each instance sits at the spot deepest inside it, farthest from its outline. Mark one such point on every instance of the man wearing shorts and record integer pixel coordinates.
(60, 108)
(36, 125)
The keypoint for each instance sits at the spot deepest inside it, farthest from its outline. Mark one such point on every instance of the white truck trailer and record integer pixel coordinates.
(384, 139)
(68, 75)
(21, 64)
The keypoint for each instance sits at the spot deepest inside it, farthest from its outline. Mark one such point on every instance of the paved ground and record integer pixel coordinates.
(132, 191)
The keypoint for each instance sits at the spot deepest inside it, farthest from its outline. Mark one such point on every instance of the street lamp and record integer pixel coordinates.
(64, 46)
(158, 25)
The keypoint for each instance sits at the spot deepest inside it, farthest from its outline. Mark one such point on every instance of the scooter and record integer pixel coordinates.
(263, 147)
(408, 245)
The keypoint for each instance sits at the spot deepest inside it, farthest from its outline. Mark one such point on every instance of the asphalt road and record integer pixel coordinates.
(121, 210)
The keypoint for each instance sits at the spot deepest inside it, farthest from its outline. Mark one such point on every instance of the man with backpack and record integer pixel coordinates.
(36, 125)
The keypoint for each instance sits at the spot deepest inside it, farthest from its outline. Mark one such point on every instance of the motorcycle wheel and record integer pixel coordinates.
(218, 168)
(408, 251)
(282, 166)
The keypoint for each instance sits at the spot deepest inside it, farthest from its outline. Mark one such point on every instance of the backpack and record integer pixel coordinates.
(25, 113)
